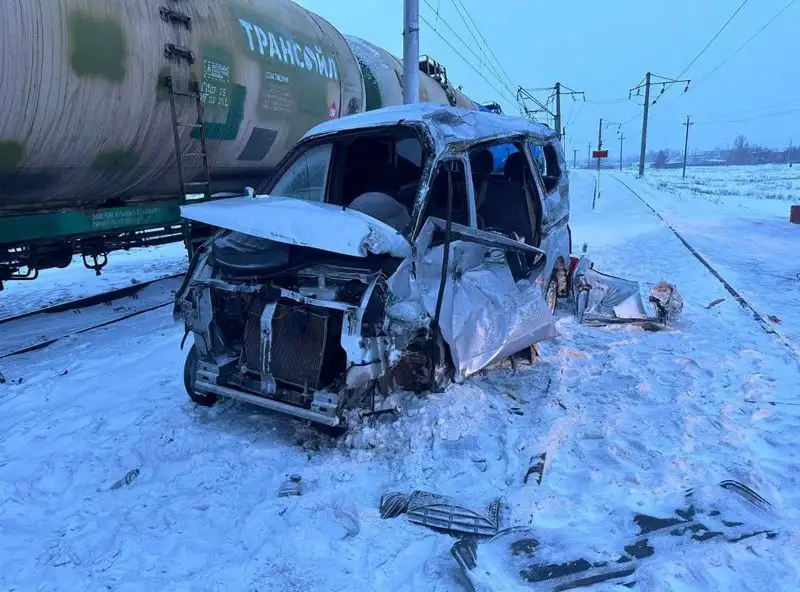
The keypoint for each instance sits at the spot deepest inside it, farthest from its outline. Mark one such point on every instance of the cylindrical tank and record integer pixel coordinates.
(86, 118)
(383, 76)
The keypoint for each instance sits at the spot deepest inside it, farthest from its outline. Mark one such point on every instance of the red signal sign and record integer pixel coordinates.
(600, 154)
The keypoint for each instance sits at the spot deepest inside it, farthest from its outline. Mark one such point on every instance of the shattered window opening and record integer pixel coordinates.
(507, 202)
(379, 173)
(449, 171)
(547, 156)
(307, 177)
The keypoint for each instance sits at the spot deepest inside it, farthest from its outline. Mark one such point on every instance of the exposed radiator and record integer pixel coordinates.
(252, 336)
(299, 337)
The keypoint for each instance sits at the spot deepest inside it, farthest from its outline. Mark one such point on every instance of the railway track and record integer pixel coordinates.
(757, 316)
(38, 329)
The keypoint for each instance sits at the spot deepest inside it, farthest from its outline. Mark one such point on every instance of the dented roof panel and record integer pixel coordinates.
(445, 125)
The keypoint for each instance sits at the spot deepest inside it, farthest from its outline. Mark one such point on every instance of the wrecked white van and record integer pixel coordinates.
(389, 251)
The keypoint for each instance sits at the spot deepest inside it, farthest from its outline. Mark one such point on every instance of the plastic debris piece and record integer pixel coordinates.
(667, 301)
(290, 487)
(129, 478)
(536, 469)
(713, 304)
(393, 504)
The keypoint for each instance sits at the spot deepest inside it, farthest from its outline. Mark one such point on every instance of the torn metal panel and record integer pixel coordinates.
(303, 223)
(599, 298)
(486, 315)
(442, 513)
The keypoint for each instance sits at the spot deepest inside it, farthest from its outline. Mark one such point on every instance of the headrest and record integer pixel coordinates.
(515, 167)
(482, 162)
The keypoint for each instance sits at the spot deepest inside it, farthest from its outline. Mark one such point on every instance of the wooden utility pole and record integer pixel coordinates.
(621, 137)
(644, 124)
(789, 154)
(688, 124)
(589, 157)
(574, 158)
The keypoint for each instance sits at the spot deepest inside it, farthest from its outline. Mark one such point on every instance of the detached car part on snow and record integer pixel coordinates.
(391, 250)
(602, 299)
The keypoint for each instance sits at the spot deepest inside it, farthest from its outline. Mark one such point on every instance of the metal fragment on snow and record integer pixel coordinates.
(441, 512)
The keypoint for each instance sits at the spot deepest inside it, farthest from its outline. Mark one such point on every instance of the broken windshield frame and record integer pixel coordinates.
(323, 170)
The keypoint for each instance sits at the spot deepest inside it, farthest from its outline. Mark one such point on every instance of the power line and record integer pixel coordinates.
(510, 96)
(485, 43)
(757, 117)
(467, 45)
(740, 48)
(746, 43)
(702, 51)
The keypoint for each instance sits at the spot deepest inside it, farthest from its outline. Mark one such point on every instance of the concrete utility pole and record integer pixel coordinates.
(410, 51)
(621, 137)
(531, 106)
(644, 124)
(688, 124)
(599, 144)
(574, 158)
(789, 154)
(665, 83)
(558, 110)
(589, 157)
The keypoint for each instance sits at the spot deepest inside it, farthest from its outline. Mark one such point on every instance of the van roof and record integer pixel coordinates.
(446, 125)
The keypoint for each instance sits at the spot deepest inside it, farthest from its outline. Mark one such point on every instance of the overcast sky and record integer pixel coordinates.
(604, 49)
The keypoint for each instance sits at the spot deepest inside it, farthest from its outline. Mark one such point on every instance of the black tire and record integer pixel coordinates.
(189, 371)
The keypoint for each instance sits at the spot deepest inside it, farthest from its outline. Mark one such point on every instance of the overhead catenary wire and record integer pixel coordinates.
(483, 39)
(746, 43)
(702, 51)
(737, 50)
(509, 96)
(755, 118)
(467, 45)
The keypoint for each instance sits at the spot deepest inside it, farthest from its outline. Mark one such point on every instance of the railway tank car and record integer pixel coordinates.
(114, 112)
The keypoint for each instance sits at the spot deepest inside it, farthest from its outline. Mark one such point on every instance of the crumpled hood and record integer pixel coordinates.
(303, 223)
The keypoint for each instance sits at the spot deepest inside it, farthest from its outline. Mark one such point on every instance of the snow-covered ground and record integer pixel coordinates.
(55, 286)
(738, 219)
(628, 419)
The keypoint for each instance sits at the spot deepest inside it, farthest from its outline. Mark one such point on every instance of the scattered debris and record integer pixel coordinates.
(290, 487)
(667, 301)
(129, 478)
(347, 516)
(2, 378)
(511, 556)
(774, 319)
(602, 299)
(537, 468)
(713, 304)
(442, 513)
(64, 373)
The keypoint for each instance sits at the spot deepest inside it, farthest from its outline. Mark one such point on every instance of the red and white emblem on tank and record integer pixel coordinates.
(333, 110)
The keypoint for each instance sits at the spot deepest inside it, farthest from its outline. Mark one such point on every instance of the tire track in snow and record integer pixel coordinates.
(743, 302)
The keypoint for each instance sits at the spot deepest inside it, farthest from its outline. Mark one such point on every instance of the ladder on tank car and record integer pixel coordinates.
(192, 187)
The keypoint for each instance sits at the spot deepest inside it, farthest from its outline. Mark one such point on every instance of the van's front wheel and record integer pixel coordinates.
(189, 373)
